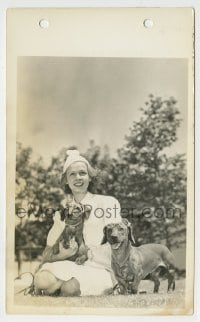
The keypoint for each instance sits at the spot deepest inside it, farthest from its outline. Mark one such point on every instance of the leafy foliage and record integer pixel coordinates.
(152, 180)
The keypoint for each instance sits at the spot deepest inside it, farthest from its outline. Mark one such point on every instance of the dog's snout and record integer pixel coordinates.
(114, 237)
(114, 240)
(114, 233)
(66, 244)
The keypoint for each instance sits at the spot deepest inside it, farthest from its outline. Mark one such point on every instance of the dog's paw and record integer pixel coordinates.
(118, 290)
(80, 260)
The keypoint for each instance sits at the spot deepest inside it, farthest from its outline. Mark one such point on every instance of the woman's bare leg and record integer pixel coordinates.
(46, 283)
(70, 288)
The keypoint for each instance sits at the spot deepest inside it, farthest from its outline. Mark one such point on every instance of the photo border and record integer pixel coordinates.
(96, 3)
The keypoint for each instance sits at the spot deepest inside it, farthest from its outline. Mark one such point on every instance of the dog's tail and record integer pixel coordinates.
(170, 262)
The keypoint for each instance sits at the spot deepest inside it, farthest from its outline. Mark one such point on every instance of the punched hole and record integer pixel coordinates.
(148, 23)
(44, 24)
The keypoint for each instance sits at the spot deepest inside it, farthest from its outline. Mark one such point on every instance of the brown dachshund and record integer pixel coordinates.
(132, 264)
(74, 217)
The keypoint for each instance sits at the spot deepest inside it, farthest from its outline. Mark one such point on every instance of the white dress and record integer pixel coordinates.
(95, 275)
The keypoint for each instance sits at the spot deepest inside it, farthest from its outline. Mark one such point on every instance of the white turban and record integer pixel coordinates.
(73, 156)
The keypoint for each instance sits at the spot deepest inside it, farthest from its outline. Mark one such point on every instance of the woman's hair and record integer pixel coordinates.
(93, 174)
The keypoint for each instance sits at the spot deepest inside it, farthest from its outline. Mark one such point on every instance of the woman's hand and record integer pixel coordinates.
(66, 253)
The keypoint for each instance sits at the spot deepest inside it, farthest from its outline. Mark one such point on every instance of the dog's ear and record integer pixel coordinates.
(104, 240)
(64, 213)
(87, 211)
(130, 235)
(130, 231)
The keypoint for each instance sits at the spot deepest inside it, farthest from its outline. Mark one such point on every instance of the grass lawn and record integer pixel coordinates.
(149, 300)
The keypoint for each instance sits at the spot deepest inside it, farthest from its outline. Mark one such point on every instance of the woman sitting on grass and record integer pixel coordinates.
(95, 276)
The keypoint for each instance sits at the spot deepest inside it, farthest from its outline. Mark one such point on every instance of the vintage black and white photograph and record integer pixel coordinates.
(101, 174)
(101, 190)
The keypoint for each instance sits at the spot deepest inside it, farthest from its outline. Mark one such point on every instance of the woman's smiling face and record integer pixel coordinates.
(77, 177)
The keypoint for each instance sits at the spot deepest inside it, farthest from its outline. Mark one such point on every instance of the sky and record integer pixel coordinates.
(63, 101)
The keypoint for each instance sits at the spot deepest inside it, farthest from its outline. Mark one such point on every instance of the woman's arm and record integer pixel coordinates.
(56, 230)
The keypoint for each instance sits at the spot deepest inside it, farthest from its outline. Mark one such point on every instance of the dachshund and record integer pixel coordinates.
(74, 216)
(132, 264)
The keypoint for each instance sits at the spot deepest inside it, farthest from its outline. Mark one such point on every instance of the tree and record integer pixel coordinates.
(37, 192)
(100, 159)
(149, 181)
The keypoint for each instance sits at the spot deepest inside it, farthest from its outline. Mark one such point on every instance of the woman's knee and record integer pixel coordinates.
(46, 282)
(70, 288)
